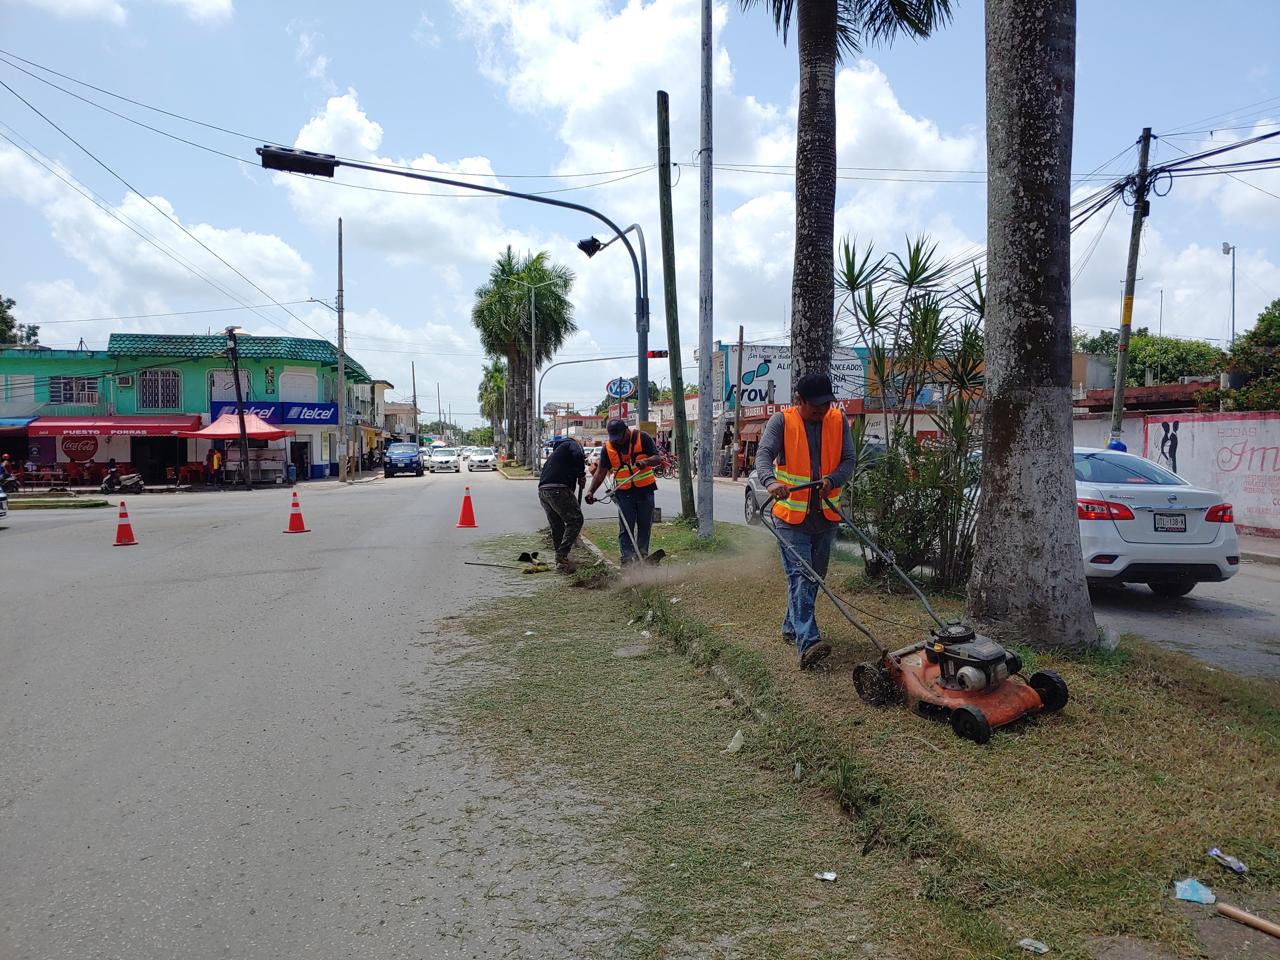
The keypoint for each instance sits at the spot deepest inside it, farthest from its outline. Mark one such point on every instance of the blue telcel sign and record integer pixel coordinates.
(320, 414)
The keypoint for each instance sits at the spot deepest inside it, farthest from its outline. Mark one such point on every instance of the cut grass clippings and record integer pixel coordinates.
(1061, 829)
(679, 540)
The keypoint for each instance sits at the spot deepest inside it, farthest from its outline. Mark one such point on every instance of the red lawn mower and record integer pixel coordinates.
(953, 674)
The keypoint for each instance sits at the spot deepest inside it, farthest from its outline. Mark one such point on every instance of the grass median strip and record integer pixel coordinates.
(1061, 829)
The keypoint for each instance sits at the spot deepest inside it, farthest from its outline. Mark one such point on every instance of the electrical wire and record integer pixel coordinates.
(176, 313)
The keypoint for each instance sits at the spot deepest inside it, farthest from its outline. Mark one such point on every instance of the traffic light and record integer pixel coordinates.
(652, 354)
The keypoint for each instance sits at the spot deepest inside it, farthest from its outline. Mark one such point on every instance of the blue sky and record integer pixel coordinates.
(558, 89)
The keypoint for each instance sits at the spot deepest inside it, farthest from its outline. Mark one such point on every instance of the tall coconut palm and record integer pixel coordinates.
(492, 395)
(827, 31)
(1028, 579)
(523, 296)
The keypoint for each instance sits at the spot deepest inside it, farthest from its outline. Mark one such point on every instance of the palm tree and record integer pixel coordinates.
(1028, 579)
(501, 314)
(826, 31)
(492, 396)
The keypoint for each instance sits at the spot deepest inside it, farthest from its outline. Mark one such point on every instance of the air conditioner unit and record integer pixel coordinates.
(124, 380)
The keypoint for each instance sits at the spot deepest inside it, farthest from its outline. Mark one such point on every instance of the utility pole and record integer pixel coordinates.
(439, 406)
(706, 509)
(737, 409)
(1141, 207)
(533, 375)
(342, 374)
(684, 452)
(233, 353)
(413, 377)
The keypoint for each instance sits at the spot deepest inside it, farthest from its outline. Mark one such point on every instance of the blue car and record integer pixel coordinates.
(402, 458)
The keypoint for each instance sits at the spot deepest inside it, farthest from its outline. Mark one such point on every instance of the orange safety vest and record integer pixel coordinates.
(796, 467)
(628, 475)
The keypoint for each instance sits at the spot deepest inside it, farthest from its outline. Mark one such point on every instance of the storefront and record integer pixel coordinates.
(77, 449)
(315, 427)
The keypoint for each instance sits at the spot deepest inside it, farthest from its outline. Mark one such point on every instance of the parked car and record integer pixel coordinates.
(1139, 523)
(482, 458)
(445, 460)
(402, 458)
(4, 504)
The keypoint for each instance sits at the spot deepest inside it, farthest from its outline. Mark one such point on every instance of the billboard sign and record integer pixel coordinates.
(315, 414)
(620, 388)
(766, 374)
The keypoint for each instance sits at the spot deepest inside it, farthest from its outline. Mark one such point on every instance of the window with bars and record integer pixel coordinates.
(73, 389)
(159, 390)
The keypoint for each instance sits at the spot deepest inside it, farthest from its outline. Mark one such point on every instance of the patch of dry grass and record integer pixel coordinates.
(1062, 827)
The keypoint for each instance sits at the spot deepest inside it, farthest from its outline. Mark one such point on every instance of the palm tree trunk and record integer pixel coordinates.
(813, 272)
(1028, 578)
(513, 405)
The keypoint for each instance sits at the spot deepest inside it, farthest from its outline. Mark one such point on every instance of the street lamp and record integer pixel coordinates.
(591, 246)
(1230, 249)
(290, 160)
(533, 436)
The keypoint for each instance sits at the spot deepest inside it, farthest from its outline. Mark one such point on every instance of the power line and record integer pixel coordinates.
(176, 313)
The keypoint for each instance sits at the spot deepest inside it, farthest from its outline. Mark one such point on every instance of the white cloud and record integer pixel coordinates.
(129, 275)
(203, 11)
(307, 52)
(425, 32)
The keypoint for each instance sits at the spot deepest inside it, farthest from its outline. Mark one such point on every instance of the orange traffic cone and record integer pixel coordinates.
(295, 517)
(124, 530)
(467, 518)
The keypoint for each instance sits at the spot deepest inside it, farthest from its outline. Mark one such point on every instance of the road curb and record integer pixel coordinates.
(1267, 558)
(506, 476)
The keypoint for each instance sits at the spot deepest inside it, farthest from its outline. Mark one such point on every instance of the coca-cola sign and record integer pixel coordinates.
(79, 449)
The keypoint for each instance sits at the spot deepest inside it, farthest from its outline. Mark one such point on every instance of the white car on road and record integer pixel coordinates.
(444, 460)
(482, 458)
(1139, 523)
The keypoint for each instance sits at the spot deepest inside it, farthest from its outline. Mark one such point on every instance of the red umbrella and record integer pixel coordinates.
(227, 427)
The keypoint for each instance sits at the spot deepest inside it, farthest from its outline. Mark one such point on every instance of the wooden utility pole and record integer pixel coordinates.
(413, 377)
(1141, 207)
(684, 452)
(737, 410)
(342, 374)
(706, 508)
(233, 353)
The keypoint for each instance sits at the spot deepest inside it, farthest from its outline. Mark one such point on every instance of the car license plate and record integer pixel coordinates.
(1171, 523)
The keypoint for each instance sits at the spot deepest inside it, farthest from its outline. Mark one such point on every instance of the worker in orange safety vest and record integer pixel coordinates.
(630, 456)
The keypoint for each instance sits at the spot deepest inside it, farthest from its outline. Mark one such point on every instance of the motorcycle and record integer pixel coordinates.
(130, 483)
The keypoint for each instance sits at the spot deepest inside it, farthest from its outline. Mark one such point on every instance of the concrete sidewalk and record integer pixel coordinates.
(1259, 549)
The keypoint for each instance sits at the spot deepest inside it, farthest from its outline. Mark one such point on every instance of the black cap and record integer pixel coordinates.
(815, 388)
(616, 429)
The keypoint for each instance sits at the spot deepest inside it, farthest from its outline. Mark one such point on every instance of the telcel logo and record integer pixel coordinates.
(302, 413)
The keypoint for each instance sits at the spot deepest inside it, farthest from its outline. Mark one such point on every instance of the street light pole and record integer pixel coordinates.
(290, 160)
(1231, 249)
(561, 363)
(533, 434)
(591, 246)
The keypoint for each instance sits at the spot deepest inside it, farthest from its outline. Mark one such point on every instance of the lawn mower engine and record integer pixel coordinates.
(968, 661)
(961, 677)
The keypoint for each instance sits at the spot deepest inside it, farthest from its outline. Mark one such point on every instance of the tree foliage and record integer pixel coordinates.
(13, 333)
(1170, 358)
(1256, 361)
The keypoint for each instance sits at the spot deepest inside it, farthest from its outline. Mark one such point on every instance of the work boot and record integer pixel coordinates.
(565, 565)
(814, 654)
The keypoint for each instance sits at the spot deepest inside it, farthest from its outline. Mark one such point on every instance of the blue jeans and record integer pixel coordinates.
(802, 592)
(636, 506)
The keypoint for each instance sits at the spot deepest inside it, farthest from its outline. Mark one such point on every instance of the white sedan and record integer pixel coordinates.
(1139, 523)
(482, 458)
(444, 460)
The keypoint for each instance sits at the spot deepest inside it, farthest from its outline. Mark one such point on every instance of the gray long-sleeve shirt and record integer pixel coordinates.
(771, 449)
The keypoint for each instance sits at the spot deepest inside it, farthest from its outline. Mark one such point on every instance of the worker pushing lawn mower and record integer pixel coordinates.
(952, 674)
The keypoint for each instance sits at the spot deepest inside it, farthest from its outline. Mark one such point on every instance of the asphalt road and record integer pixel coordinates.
(228, 742)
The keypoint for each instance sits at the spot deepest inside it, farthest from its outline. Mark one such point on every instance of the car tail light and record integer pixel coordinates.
(1220, 514)
(1104, 558)
(1102, 510)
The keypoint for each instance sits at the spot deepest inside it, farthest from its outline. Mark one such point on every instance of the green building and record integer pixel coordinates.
(67, 409)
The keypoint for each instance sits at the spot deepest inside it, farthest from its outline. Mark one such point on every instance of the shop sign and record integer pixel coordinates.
(319, 414)
(79, 449)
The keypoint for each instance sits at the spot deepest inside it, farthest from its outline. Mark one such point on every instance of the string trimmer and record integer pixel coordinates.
(610, 496)
(953, 674)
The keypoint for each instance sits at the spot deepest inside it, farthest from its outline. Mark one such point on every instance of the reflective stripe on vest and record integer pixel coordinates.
(796, 467)
(627, 474)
